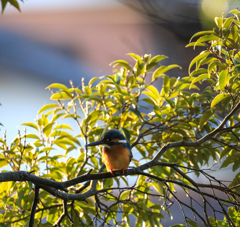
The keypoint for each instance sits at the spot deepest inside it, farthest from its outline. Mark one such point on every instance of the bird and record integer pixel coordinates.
(116, 152)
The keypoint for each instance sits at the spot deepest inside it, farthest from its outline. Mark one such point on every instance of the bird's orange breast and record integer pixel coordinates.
(116, 158)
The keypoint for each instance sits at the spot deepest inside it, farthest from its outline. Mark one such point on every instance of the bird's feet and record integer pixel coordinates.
(112, 172)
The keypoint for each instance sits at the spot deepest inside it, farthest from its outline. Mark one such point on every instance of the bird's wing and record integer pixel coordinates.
(130, 151)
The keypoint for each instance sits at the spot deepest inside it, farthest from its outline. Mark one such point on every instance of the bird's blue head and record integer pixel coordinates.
(110, 138)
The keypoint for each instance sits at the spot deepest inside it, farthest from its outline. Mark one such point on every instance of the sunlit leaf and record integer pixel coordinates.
(3, 162)
(93, 80)
(227, 23)
(159, 72)
(154, 61)
(219, 22)
(58, 86)
(203, 33)
(224, 77)
(30, 124)
(135, 56)
(121, 63)
(46, 107)
(47, 129)
(205, 39)
(218, 99)
(198, 58)
(63, 126)
(199, 78)
(61, 95)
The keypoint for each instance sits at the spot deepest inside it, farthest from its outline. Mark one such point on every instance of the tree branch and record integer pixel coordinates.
(64, 213)
(34, 206)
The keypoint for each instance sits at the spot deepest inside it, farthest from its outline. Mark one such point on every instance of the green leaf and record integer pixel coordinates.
(202, 33)
(152, 93)
(205, 39)
(227, 23)
(192, 223)
(166, 84)
(229, 160)
(135, 56)
(47, 129)
(58, 86)
(125, 195)
(199, 78)
(61, 95)
(219, 22)
(32, 136)
(30, 185)
(235, 11)
(206, 115)
(4, 3)
(218, 99)
(193, 44)
(46, 107)
(127, 133)
(3, 162)
(94, 161)
(224, 77)
(198, 58)
(93, 80)
(178, 225)
(13, 3)
(236, 63)
(157, 58)
(63, 126)
(30, 124)
(159, 72)
(108, 182)
(121, 63)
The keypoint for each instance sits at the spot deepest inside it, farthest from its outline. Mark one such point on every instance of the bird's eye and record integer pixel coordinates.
(108, 139)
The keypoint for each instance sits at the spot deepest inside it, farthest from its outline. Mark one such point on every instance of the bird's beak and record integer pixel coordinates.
(96, 143)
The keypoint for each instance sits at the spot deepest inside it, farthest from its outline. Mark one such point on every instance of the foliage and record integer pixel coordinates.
(186, 122)
(14, 3)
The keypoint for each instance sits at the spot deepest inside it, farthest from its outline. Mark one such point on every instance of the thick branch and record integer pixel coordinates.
(200, 141)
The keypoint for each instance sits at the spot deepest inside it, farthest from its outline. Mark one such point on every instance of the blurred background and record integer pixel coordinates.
(54, 41)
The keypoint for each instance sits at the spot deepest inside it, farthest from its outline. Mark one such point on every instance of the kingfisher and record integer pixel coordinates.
(116, 152)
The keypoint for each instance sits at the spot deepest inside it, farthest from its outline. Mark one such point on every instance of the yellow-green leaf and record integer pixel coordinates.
(219, 22)
(206, 115)
(198, 58)
(47, 129)
(203, 33)
(205, 39)
(46, 107)
(199, 78)
(65, 126)
(121, 63)
(227, 23)
(159, 72)
(218, 99)
(3, 162)
(61, 95)
(58, 86)
(224, 77)
(30, 124)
